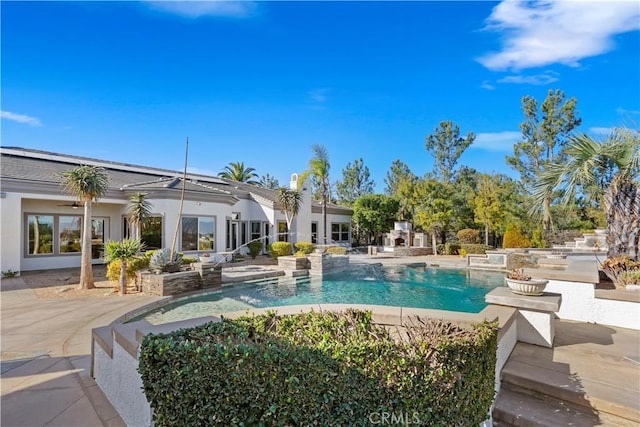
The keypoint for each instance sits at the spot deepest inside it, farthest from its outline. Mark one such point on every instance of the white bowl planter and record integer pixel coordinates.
(532, 287)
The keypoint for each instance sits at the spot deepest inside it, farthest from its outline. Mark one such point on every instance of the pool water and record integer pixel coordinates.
(420, 287)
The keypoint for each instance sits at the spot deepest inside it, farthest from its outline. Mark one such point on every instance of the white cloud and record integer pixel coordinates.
(548, 32)
(497, 141)
(199, 8)
(601, 131)
(624, 111)
(487, 85)
(538, 79)
(20, 118)
(319, 95)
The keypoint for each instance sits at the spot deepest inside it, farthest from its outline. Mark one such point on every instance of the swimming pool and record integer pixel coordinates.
(400, 286)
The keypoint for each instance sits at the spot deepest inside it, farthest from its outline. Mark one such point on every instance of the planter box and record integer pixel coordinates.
(293, 263)
(184, 281)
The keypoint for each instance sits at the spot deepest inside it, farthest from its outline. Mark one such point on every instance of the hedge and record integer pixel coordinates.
(279, 249)
(305, 247)
(328, 369)
(336, 250)
(476, 248)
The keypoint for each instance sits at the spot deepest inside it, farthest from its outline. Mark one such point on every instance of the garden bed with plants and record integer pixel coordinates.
(320, 369)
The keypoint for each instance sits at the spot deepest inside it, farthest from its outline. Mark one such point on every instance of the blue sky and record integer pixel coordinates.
(261, 82)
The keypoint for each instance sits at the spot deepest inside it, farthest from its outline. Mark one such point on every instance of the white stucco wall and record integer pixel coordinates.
(11, 244)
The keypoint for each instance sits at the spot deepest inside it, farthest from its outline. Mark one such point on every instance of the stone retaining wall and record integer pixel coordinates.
(202, 276)
(324, 263)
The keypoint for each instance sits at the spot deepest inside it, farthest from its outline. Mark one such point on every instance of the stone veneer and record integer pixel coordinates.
(326, 263)
(293, 263)
(203, 275)
(411, 251)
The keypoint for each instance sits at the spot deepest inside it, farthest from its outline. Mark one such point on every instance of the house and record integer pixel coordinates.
(41, 225)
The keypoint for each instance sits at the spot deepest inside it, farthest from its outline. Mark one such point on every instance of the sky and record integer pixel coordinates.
(261, 82)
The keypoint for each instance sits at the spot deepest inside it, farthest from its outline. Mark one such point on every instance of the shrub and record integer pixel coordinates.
(305, 247)
(160, 259)
(136, 264)
(476, 248)
(468, 235)
(279, 249)
(451, 248)
(336, 250)
(514, 238)
(319, 369)
(255, 248)
(631, 277)
(537, 238)
(622, 270)
(462, 252)
(188, 260)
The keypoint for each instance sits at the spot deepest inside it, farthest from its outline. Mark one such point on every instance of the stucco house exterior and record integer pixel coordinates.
(41, 225)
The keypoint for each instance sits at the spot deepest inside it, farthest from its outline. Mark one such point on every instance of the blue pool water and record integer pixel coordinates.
(420, 287)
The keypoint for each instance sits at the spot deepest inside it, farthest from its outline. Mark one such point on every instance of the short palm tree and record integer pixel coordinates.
(290, 201)
(319, 168)
(138, 213)
(124, 252)
(619, 153)
(236, 171)
(88, 184)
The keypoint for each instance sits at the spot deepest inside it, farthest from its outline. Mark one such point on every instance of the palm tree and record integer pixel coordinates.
(236, 171)
(319, 168)
(124, 252)
(87, 183)
(290, 201)
(580, 172)
(138, 213)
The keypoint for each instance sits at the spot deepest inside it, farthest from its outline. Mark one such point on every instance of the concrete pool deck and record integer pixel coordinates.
(46, 347)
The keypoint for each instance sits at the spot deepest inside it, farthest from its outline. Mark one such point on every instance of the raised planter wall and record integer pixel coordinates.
(202, 276)
(294, 263)
(324, 263)
(412, 251)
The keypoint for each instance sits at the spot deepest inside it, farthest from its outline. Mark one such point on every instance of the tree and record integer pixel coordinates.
(446, 146)
(356, 182)
(374, 214)
(319, 168)
(268, 181)
(584, 158)
(544, 136)
(88, 184)
(236, 171)
(435, 207)
(124, 252)
(398, 172)
(290, 201)
(488, 208)
(138, 213)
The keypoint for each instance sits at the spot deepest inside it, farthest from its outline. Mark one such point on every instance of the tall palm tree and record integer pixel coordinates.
(236, 171)
(319, 168)
(580, 172)
(124, 252)
(138, 213)
(290, 201)
(88, 184)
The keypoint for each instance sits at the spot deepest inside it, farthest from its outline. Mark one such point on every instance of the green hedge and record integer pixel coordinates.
(330, 369)
(255, 248)
(336, 250)
(476, 248)
(305, 247)
(279, 249)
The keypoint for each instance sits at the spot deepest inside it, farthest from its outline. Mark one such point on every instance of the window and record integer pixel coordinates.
(283, 232)
(243, 233)
(97, 237)
(69, 234)
(40, 234)
(314, 232)
(340, 231)
(255, 230)
(198, 233)
(151, 233)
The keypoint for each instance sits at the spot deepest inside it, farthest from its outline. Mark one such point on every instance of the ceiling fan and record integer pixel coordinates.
(74, 205)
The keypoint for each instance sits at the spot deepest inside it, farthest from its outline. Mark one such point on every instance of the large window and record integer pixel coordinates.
(283, 232)
(69, 234)
(151, 233)
(255, 230)
(62, 234)
(40, 236)
(198, 233)
(340, 231)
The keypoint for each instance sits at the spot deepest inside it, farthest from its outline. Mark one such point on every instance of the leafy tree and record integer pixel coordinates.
(515, 238)
(399, 172)
(319, 168)
(88, 184)
(374, 214)
(236, 171)
(464, 187)
(124, 252)
(446, 146)
(434, 209)
(579, 170)
(488, 208)
(290, 201)
(544, 135)
(268, 181)
(138, 213)
(356, 182)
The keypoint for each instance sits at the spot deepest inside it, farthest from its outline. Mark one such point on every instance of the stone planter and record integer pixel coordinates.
(531, 287)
